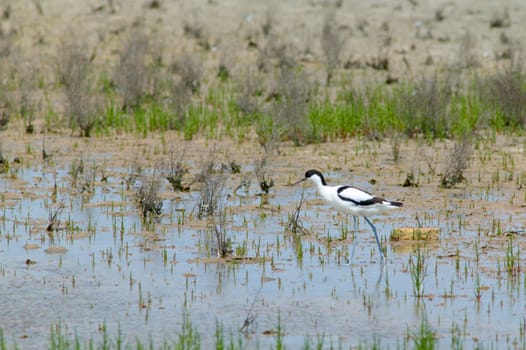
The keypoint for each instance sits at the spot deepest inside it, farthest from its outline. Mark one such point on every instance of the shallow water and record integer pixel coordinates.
(111, 269)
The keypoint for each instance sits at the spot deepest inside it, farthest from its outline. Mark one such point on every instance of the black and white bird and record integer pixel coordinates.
(351, 200)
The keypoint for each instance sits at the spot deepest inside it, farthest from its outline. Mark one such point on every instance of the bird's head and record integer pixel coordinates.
(313, 175)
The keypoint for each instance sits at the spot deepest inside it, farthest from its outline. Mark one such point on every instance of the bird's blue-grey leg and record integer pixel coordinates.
(355, 218)
(377, 240)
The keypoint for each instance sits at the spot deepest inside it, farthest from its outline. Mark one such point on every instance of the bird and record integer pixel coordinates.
(351, 200)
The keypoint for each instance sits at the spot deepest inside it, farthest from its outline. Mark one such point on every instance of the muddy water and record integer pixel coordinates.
(102, 266)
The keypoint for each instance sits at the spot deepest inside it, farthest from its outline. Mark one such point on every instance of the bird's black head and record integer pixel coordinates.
(313, 172)
(308, 175)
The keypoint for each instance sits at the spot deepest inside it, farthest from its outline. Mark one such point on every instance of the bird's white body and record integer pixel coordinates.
(352, 200)
(347, 199)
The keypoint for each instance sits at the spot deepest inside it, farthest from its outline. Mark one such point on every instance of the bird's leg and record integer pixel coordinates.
(377, 240)
(354, 237)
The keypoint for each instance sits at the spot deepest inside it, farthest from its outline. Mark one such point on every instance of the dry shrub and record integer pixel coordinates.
(286, 117)
(290, 109)
(174, 170)
(294, 224)
(500, 19)
(457, 162)
(466, 55)
(131, 74)
(380, 61)
(195, 28)
(157, 79)
(269, 135)
(178, 102)
(208, 165)
(331, 43)
(54, 211)
(250, 89)
(74, 71)
(210, 195)
(269, 20)
(212, 185)
(224, 244)
(5, 105)
(227, 61)
(505, 93)
(276, 53)
(4, 163)
(6, 42)
(134, 173)
(396, 139)
(5, 116)
(265, 182)
(424, 106)
(82, 176)
(26, 96)
(148, 198)
(189, 67)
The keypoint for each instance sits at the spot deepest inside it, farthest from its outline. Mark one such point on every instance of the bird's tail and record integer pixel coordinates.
(395, 204)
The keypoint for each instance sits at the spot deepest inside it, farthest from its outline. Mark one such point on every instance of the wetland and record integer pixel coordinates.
(147, 150)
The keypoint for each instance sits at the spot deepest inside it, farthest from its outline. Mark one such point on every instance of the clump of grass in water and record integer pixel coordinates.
(297, 230)
(174, 170)
(134, 172)
(54, 211)
(148, 197)
(208, 165)
(294, 226)
(83, 177)
(265, 183)
(418, 270)
(4, 163)
(209, 195)
(212, 186)
(224, 246)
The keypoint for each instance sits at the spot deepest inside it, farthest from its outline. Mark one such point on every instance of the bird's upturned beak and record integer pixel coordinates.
(297, 182)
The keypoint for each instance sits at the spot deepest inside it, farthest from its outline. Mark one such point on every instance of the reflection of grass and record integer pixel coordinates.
(424, 337)
(512, 259)
(189, 337)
